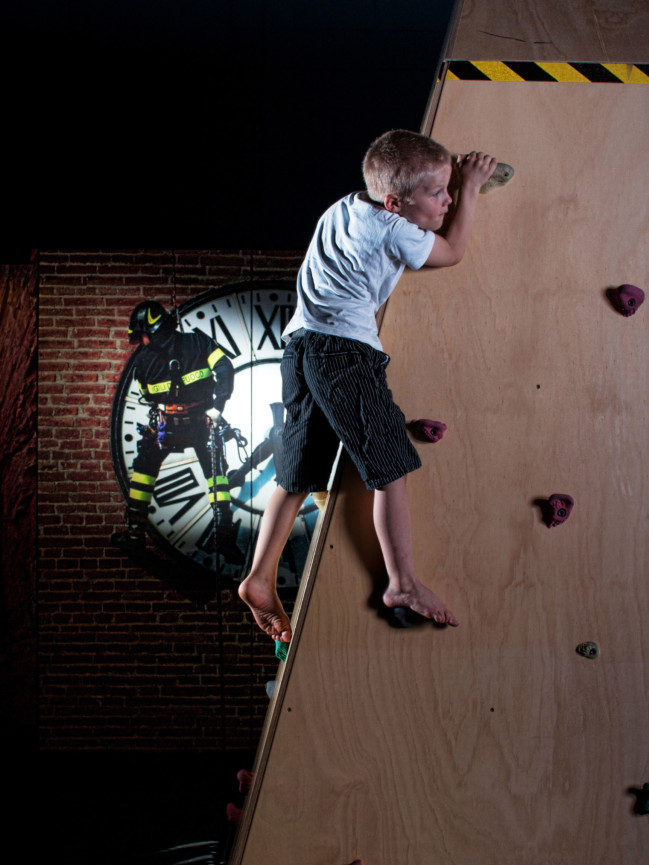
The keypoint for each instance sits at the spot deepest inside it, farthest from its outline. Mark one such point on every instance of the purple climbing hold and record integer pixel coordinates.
(626, 299)
(561, 506)
(425, 430)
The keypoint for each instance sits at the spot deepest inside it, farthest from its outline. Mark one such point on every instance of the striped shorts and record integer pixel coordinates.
(335, 390)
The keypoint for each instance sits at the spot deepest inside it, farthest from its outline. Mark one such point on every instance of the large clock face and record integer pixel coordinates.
(246, 320)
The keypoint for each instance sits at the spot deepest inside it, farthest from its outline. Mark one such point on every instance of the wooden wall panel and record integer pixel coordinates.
(494, 742)
(595, 31)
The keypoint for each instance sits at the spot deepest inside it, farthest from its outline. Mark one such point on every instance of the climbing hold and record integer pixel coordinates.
(560, 508)
(281, 650)
(642, 799)
(626, 298)
(588, 650)
(425, 430)
(233, 813)
(403, 617)
(245, 779)
(503, 173)
(320, 499)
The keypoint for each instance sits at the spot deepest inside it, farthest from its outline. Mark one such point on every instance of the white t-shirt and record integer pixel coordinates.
(354, 261)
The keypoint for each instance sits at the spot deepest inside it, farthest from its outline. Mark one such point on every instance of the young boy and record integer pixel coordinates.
(333, 369)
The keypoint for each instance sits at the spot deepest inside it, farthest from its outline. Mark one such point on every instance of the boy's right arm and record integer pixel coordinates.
(475, 169)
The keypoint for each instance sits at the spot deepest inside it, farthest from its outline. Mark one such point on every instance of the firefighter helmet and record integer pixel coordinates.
(147, 318)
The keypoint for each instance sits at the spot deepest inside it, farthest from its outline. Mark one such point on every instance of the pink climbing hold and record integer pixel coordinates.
(425, 430)
(244, 777)
(561, 506)
(233, 813)
(627, 298)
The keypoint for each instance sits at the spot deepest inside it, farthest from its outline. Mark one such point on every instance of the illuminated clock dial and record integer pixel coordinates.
(246, 320)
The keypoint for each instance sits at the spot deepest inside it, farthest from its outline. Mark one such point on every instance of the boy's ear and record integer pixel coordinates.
(392, 202)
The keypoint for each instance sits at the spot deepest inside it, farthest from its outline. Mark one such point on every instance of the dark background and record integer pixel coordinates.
(183, 124)
(200, 123)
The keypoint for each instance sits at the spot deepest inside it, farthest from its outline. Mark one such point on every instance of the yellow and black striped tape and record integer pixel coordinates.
(600, 73)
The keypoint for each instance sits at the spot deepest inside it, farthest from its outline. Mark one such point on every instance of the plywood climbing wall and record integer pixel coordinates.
(495, 742)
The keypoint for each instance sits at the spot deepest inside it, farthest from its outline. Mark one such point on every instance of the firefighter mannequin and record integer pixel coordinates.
(186, 378)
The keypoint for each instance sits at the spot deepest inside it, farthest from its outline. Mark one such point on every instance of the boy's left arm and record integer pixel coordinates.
(475, 169)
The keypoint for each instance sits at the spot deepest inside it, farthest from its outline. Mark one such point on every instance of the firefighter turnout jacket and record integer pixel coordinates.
(185, 374)
(186, 370)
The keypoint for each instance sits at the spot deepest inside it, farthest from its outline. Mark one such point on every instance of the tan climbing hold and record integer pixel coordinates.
(320, 499)
(503, 173)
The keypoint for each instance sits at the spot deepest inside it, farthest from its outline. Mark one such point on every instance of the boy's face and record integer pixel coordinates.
(429, 203)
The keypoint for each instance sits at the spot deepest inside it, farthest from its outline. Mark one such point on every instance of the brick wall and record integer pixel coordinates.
(18, 503)
(125, 662)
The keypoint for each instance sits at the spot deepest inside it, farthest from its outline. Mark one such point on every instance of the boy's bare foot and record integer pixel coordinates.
(266, 608)
(423, 601)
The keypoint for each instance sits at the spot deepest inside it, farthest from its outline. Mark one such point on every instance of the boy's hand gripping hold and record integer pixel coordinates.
(472, 171)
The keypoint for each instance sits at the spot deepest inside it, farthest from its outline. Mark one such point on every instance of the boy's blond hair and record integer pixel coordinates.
(399, 161)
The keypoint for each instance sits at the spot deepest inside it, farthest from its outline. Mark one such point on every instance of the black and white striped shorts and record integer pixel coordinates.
(335, 390)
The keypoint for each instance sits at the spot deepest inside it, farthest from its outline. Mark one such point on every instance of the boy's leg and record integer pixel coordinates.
(349, 383)
(392, 524)
(259, 589)
(308, 450)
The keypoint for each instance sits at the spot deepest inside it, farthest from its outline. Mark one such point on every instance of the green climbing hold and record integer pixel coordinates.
(281, 650)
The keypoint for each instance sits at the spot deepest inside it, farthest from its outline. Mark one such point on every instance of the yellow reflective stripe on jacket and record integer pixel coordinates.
(187, 379)
(197, 375)
(216, 355)
(161, 387)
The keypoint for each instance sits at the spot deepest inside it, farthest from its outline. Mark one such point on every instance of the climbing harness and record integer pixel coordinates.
(156, 426)
(220, 433)
(227, 432)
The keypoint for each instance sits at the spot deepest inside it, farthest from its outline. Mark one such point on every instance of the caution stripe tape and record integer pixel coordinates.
(576, 73)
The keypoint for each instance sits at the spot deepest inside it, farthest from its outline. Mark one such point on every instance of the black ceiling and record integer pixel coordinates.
(199, 123)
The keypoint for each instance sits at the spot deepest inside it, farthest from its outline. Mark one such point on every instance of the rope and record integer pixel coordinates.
(174, 304)
(217, 575)
(251, 643)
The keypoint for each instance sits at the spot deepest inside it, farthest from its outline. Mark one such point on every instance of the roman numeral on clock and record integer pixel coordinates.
(172, 489)
(271, 330)
(223, 336)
